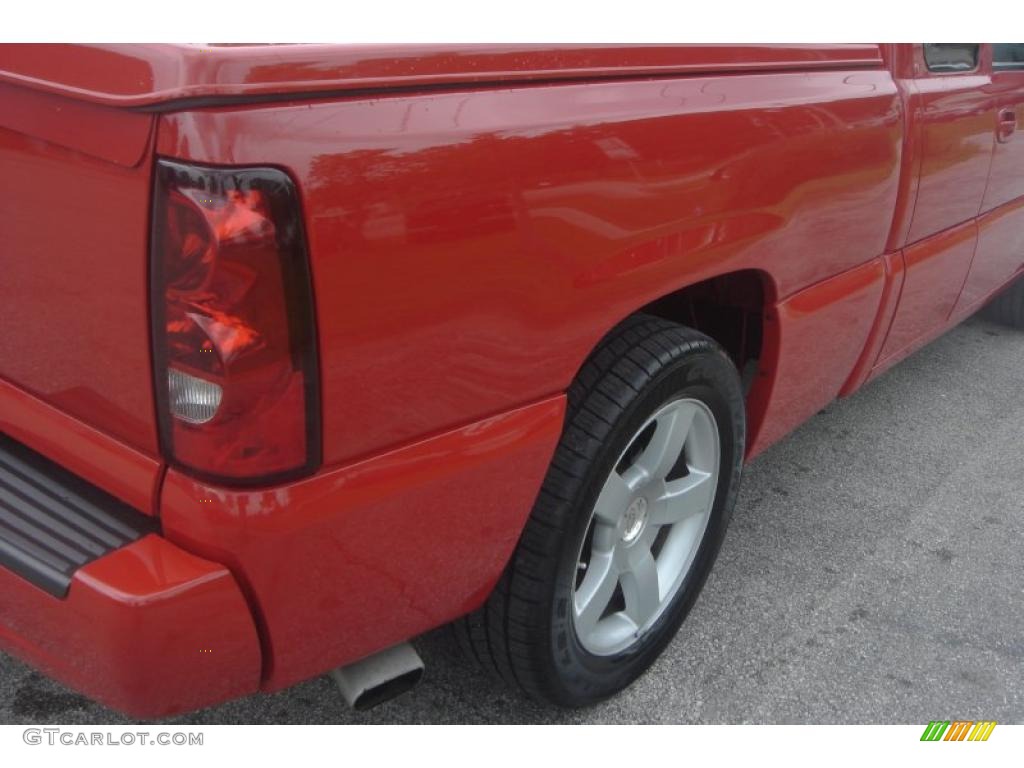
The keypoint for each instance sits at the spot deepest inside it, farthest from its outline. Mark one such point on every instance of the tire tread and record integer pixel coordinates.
(1008, 307)
(504, 636)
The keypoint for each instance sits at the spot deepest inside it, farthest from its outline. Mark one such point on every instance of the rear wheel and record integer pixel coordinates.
(628, 521)
(1008, 307)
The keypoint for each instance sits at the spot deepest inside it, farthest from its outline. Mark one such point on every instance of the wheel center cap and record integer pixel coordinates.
(634, 520)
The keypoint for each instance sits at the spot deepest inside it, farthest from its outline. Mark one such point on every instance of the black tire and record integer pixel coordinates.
(1008, 307)
(524, 633)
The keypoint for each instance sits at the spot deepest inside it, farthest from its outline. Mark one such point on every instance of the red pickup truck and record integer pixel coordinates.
(307, 350)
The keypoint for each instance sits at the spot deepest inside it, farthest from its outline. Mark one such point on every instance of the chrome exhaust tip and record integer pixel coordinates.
(380, 677)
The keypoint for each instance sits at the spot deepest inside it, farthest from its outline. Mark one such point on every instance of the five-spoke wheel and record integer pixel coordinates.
(648, 520)
(628, 522)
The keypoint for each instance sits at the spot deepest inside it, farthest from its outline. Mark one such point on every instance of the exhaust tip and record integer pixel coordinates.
(379, 678)
(386, 691)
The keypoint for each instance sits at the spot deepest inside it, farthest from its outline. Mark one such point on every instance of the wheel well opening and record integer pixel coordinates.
(730, 309)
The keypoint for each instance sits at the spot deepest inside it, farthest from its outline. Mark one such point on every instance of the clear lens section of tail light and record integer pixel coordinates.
(233, 324)
(192, 399)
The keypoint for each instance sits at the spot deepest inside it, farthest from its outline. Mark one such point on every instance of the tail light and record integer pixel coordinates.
(233, 325)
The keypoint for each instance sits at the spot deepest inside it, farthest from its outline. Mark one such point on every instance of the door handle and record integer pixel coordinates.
(1007, 125)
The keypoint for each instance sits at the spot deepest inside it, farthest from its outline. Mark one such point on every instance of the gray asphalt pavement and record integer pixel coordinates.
(873, 573)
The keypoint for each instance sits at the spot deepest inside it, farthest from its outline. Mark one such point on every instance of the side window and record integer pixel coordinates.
(951, 57)
(1008, 55)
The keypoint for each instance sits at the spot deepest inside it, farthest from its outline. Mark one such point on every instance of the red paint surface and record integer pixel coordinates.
(74, 233)
(149, 630)
(357, 559)
(122, 471)
(147, 74)
(1006, 181)
(935, 272)
(955, 119)
(469, 247)
(807, 372)
(999, 255)
(1000, 251)
(895, 272)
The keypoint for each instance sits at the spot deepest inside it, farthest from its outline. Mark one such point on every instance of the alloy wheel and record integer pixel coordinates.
(646, 526)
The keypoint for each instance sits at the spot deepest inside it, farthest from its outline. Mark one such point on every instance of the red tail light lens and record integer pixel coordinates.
(233, 325)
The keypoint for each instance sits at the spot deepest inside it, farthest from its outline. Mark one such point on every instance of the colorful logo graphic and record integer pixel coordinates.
(958, 730)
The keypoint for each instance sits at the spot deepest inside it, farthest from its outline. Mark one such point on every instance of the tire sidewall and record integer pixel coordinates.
(706, 375)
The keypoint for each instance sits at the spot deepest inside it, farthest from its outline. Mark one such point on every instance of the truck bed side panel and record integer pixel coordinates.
(470, 248)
